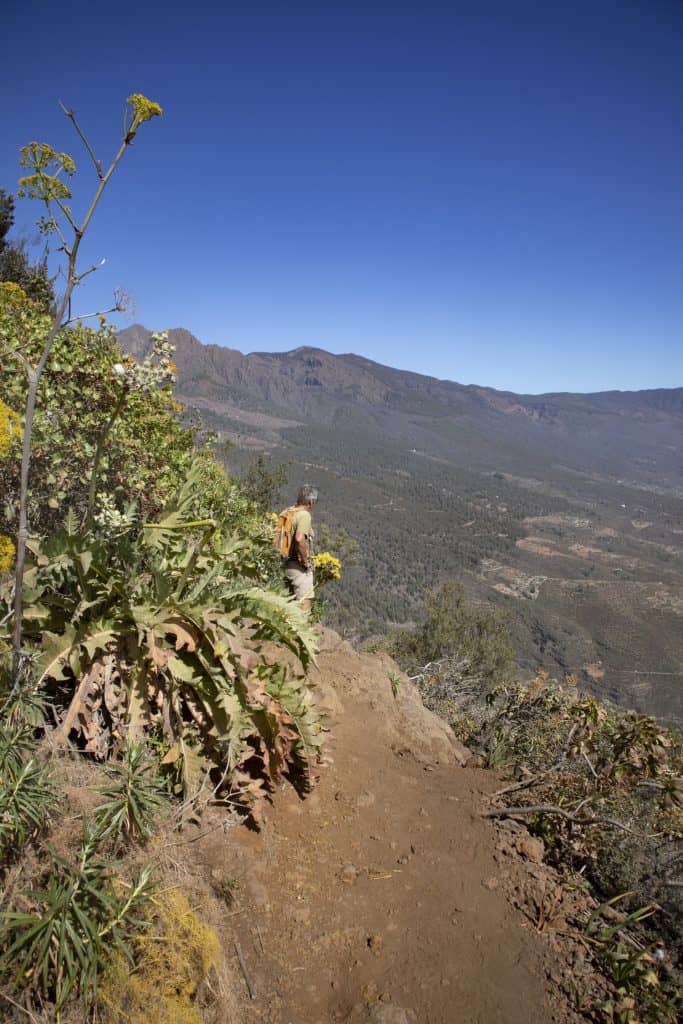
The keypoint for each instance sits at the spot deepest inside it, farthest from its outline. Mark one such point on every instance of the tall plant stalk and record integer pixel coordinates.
(52, 191)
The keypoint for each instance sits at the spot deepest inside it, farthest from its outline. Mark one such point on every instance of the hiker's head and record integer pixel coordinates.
(308, 495)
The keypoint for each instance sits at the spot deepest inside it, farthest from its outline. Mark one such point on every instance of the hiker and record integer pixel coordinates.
(294, 541)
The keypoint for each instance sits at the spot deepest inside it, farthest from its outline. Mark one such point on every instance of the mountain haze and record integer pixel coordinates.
(566, 509)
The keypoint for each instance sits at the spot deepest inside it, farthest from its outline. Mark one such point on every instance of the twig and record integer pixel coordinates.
(588, 762)
(89, 316)
(516, 812)
(19, 1007)
(72, 117)
(531, 781)
(90, 270)
(526, 783)
(227, 823)
(250, 987)
(260, 938)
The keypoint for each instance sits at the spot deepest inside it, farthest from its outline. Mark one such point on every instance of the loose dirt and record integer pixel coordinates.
(381, 896)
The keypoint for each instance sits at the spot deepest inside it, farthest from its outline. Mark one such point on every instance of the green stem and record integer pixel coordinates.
(179, 526)
(96, 461)
(34, 375)
(193, 560)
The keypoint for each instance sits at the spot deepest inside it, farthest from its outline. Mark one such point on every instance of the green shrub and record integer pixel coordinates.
(455, 628)
(603, 788)
(84, 913)
(157, 627)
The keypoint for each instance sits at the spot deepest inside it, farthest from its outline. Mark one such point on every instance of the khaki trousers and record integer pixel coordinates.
(300, 581)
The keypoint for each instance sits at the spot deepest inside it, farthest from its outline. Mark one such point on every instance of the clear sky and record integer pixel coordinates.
(487, 192)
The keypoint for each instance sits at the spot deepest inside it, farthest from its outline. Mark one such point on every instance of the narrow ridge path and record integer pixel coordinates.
(376, 898)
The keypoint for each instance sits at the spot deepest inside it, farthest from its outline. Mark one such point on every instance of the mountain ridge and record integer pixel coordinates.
(136, 340)
(603, 431)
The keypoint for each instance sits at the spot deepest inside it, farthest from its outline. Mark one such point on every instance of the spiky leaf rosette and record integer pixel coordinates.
(160, 628)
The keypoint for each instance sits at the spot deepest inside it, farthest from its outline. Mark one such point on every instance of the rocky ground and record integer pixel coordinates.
(384, 896)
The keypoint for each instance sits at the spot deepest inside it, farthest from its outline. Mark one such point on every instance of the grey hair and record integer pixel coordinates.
(307, 493)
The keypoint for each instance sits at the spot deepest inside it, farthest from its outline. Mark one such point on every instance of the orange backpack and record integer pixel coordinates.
(284, 532)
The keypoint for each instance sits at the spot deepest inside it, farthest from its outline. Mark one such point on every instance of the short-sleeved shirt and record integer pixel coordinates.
(301, 523)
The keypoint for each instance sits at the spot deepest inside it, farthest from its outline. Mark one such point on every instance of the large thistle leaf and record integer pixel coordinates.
(60, 652)
(275, 617)
(296, 699)
(56, 652)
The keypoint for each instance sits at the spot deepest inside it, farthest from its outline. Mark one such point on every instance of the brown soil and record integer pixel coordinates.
(381, 896)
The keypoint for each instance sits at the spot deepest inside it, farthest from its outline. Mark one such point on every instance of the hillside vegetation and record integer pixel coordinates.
(566, 511)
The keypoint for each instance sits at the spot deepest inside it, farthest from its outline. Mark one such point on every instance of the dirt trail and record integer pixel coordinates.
(378, 898)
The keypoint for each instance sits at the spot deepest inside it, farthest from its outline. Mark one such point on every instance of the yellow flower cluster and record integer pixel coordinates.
(327, 567)
(12, 291)
(7, 553)
(10, 428)
(143, 109)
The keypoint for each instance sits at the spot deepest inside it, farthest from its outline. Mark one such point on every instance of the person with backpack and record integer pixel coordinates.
(294, 541)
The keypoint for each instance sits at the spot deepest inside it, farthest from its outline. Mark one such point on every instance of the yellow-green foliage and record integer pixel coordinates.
(7, 553)
(10, 428)
(172, 959)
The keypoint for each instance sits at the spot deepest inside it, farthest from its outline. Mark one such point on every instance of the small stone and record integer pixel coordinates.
(348, 874)
(491, 883)
(388, 1013)
(365, 799)
(403, 860)
(531, 848)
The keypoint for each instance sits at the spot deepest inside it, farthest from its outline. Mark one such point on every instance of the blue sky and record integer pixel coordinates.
(487, 192)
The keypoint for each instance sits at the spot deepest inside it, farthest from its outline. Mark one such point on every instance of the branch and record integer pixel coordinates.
(588, 762)
(89, 316)
(531, 781)
(19, 1007)
(526, 783)
(91, 270)
(57, 227)
(72, 117)
(18, 353)
(425, 668)
(66, 212)
(250, 987)
(521, 812)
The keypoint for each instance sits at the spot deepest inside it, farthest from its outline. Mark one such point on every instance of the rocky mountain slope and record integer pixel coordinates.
(612, 429)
